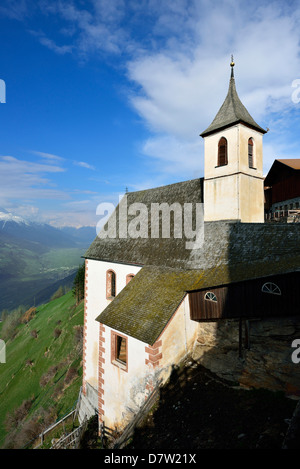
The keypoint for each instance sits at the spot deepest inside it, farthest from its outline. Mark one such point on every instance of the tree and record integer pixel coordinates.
(78, 284)
(59, 292)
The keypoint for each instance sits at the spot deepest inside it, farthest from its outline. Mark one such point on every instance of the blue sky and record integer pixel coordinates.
(107, 94)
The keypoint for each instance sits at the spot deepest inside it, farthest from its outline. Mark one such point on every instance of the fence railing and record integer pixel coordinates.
(72, 440)
(277, 214)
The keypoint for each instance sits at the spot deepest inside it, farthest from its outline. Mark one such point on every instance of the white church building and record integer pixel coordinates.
(150, 294)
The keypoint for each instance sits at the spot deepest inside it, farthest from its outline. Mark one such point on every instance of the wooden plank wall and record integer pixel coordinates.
(246, 300)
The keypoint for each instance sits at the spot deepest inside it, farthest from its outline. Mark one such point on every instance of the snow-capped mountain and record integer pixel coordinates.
(35, 257)
(7, 217)
(17, 227)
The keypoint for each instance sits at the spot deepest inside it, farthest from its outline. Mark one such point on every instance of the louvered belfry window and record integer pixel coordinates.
(250, 153)
(222, 152)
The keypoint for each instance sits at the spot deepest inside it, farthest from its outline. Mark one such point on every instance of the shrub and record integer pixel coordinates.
(30, 431)
(56, 332)
(34, 333)
(28, 315)
(48, 376)
(78, 336)
(10, 324)
(59, 292)
(71, 374)
(13, 419)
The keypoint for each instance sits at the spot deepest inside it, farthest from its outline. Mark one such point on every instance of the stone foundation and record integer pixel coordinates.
(267, 363)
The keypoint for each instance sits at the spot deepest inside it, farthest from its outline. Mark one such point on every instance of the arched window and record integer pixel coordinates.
(210, 296)
(110, 284)
(270, 287)
(251, 153)
(222, 152)
(129, 277)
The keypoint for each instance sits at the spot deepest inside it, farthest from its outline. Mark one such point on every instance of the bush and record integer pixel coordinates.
(29, 430)
(48, 375)
(13, 419)
(78, 336)
(10, 324)
(71, 374)
(34, 333)
(28, 315)
(59, 292)
(56, 332)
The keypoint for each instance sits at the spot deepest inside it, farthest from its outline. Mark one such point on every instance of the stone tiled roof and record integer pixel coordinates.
(145, 306)
(141, 251)
(232, 252)
(231, 112)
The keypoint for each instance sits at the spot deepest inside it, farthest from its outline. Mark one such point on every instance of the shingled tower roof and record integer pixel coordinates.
(231, 112)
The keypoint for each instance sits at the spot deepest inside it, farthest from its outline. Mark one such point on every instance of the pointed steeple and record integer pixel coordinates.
(232, 111)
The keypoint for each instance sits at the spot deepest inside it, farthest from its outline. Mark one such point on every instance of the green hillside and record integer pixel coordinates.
(43, 370)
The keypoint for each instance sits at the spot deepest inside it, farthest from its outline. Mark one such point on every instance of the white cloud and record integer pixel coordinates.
(20, 179)
(176, 55)
(15, 9)
(65, 49)
(178, 94)
(48, 156)
(83, 164)
(175, 156)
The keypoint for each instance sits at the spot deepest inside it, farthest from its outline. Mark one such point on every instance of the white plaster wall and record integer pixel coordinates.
(211, 153)
(178, 338)
(96, 302)
(124, 391)
(234, 191)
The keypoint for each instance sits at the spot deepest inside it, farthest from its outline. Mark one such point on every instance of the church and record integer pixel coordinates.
(192, 269)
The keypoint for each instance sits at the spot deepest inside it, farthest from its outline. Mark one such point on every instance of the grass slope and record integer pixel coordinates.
(28, 359)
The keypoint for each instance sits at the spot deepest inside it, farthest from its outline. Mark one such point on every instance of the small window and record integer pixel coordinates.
(222, 152)
(110, 284)
(210, 296)
(119, 355)
(251, 153)
(129, 277)
(271, 288)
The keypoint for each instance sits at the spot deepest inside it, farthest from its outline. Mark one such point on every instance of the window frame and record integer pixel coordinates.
(225, 156)
(252, 156)
(128, 278)
(268, 287)
(211, 296)
(109, 288)
(114, 350)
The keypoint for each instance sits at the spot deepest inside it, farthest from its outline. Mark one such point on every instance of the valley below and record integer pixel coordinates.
(36, 259)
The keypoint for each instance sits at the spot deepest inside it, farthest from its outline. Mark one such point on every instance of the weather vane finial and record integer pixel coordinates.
(232, 65)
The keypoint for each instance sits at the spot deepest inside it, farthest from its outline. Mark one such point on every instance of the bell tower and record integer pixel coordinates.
(233, 163)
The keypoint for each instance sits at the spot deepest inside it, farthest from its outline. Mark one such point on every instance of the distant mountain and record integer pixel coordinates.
(83, 235)
(43, 234)
(35, 256)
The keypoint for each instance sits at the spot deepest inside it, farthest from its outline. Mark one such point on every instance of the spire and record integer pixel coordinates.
(232, 111)
(232, 64)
